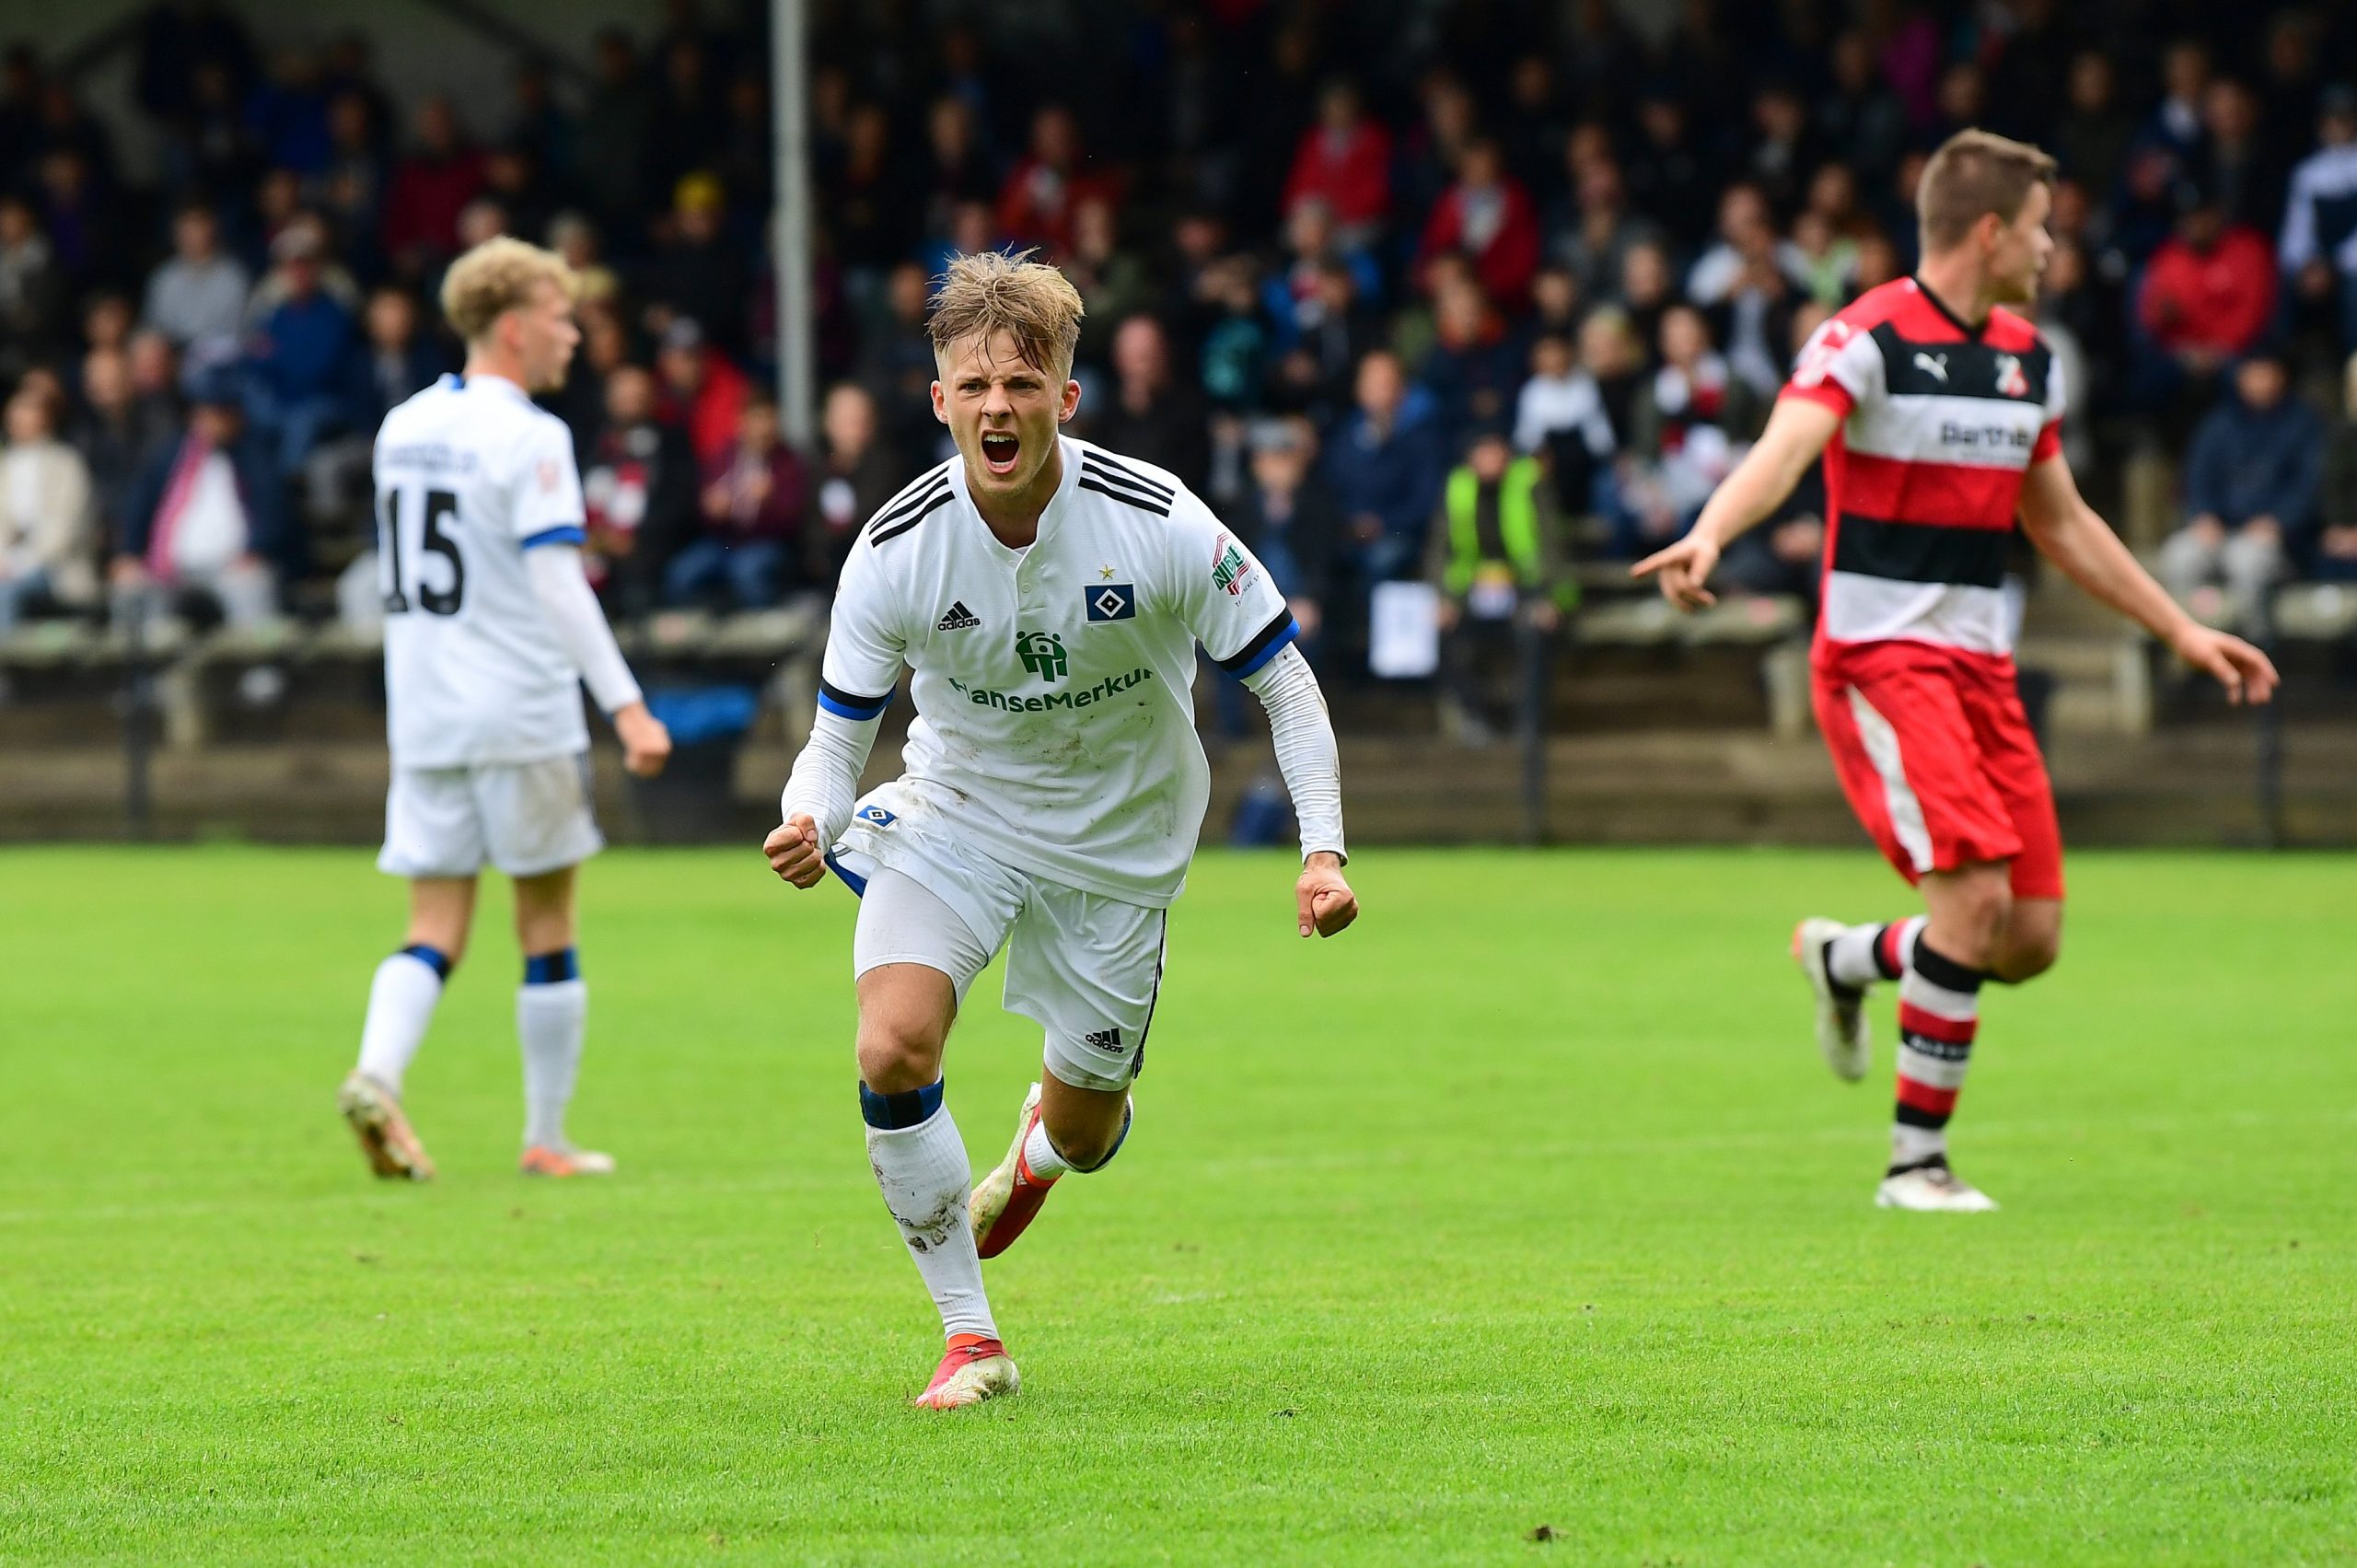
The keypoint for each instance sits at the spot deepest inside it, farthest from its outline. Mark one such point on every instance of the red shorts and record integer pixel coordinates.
(1938, 760)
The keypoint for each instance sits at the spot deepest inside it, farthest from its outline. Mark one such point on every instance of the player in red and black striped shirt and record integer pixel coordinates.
(1936, 411)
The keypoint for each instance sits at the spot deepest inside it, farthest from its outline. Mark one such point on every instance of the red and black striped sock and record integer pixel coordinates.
(1939, 1012)
(1864, 954)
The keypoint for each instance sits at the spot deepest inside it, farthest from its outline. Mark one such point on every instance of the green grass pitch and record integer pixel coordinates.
(1525, 1203)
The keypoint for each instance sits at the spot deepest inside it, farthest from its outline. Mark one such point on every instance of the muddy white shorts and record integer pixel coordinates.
(1084, 968)
(526, 819)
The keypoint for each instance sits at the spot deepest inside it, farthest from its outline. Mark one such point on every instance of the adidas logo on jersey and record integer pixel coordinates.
(959, 617)
(1104, 1039)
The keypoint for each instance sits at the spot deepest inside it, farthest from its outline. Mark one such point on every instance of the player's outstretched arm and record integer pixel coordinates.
(2068, 532)
(570, 607)
(1797, 431)
(1312, 766)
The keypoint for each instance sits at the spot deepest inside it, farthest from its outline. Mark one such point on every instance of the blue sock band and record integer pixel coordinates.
(432, 958)
(892, 1112)
(552, 968)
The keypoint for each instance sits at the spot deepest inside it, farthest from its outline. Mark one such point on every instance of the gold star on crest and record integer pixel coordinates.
(1105, 574)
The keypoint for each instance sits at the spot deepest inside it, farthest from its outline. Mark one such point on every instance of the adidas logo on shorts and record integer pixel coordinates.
(1104, 1039)
(959, 617)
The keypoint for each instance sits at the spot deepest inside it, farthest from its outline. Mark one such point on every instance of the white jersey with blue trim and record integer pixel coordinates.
(1054, 685)
(470, 474)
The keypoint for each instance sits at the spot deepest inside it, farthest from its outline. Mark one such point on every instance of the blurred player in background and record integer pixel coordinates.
(1049, 596)
(491, 629)
(1938, 411)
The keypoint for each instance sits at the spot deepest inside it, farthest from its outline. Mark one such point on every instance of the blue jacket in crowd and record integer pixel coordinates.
(1397, 477)
(2249, 462)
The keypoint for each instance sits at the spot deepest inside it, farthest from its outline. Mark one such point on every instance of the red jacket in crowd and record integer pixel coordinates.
(1350, 171)
(2220, 300)
(1495, 229)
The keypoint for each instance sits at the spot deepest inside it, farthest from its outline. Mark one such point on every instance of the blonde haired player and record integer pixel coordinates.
(1938, 411)
(1047, 595)
(491, 629)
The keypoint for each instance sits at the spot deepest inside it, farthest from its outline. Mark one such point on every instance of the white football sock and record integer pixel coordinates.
(401, 1004)
(1040, 1155)
(550, 1018)
(925, 1179)
(1913, 1146)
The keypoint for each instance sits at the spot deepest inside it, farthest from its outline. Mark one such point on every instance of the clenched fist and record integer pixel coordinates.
(794, 853)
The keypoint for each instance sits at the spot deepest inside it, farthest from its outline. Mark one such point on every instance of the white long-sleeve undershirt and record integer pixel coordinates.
(1306, 754)
(824, 784)
(570, 606)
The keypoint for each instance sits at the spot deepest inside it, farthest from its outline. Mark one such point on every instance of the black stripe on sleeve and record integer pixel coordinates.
(1921, 552)
(1107, 469)
(1260, 642)
(1128, 498)
(878, 534)
(850, 704)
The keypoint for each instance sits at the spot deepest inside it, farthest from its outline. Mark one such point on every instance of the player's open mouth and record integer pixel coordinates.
(999, 450)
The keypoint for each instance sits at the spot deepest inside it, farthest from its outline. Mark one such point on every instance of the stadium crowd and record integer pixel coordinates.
(1460, 293)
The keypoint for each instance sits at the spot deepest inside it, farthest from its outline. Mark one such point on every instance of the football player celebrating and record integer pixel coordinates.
(1047, 595)
(1938, 411)
(490, 631)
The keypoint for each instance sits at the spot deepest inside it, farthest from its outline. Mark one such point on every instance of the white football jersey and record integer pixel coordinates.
(1055, 723)
(470, 475)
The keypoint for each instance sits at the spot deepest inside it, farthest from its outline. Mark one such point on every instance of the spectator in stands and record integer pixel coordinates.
(1693, 421)
(1558, 414)
(639, 486)
(1113, 282)
(2175, 125)
(118, 433)
(1288, 517)
(2237, 165)
(1859, 114)
(155, 379)
(2319, 250)
(1152, 414)
(1647, 287)
(1486, 217)
(616, 128)
(1668, 173)
(2208, 294)
(430, 188)
(956, 168)
(2333, 555)
(1611, 372)
(1295, 293)
(1496, 558)
(2252, 481)
(1475, 365)
(1385, 468)
(856, 473)
(204, 524)
(301, 356)
(200, 294)
(749, 547)
(397, 360)
(1343, 162)
(700, 393)
(48, 526)
(698, 270)
(1035, 205)
(1595, 239)
(32, 291)
(1753, 320)
(1314, 376)
(1235, 354)
(1744, 228)
(1782, 151)
(2093, 136)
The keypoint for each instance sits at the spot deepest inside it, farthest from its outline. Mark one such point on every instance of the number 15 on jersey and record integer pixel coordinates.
(413, 525)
